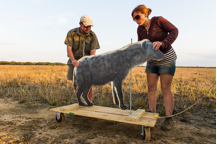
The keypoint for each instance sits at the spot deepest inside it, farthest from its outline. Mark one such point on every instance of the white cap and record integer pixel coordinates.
(86, 20)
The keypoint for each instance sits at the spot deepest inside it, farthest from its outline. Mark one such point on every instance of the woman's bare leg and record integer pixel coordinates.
(166, 81)
(152, 80)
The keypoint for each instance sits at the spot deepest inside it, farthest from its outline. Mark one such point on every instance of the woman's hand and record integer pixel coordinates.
(157, 44)
(75, 63)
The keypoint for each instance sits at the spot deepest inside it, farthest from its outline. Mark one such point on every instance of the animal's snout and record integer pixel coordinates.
(158, 55)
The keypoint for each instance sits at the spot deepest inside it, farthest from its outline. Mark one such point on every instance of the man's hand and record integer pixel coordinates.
(157, 44)
(71, 56)
(75, 63)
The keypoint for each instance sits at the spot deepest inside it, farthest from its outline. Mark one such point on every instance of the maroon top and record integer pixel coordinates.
(160, 30)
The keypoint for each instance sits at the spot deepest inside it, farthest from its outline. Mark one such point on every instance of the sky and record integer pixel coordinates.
(35, 30)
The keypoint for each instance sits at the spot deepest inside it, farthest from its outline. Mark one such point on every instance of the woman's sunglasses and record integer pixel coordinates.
(137, 17)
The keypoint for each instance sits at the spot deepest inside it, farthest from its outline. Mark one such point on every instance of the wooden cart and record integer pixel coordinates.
(139, 117)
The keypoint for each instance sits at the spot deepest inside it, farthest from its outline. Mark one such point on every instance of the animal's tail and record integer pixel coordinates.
(74, 80)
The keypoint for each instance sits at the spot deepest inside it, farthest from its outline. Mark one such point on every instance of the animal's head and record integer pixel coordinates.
(149, 52)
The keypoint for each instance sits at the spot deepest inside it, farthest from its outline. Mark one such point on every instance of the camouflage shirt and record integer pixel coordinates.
(75, 40)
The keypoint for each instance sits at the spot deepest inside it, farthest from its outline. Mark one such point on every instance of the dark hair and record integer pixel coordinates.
(142, 9)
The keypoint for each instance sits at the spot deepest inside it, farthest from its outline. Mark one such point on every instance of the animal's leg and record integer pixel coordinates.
(114, 94)
(118, 86)
(78, 94)
(86, 90)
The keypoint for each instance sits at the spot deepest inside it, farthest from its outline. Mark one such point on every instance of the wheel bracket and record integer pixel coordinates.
(58, 115)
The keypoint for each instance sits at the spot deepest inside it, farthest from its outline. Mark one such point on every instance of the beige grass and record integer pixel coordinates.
(49, 83)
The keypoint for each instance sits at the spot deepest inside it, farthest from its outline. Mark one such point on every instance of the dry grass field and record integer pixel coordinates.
(27, 93)
(49, 84)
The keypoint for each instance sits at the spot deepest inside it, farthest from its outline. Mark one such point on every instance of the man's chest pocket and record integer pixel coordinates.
(87, 46)
(76, 42)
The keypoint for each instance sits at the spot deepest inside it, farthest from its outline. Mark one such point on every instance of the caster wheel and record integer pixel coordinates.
(147, 134)
(60, 118)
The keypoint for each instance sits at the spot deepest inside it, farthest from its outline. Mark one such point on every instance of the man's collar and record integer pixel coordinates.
(78, 32)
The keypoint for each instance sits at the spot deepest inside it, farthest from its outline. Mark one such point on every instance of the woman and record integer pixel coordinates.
(162, 34)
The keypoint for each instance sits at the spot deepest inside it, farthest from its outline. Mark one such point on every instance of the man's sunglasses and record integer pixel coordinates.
(137, 17)
(85, 26)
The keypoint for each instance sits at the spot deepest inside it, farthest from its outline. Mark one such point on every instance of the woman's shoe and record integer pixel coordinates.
(167, 124)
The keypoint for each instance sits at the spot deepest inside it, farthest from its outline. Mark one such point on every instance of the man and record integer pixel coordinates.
(74, 42)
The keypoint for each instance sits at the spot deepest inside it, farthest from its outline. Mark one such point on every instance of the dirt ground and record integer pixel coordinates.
(36, 124)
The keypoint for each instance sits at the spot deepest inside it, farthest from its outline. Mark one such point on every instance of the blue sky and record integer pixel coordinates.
(35, 30)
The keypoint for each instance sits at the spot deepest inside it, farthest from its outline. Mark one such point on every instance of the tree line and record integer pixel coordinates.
(29, 63)
(62, 64)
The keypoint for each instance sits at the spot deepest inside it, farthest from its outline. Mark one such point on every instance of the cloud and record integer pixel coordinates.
(190, 35)
(207, 58)
(106, 42)
(203, 55)
(196, 62)
(22, 18)
(59, 19)
(37, 2)
(64, 29)
(47, 28)
(70, 14)
(47, 22)
(35, 56)
(5, 42)
(62, 21)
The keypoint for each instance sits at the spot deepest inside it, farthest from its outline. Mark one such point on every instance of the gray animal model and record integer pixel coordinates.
(111, 67)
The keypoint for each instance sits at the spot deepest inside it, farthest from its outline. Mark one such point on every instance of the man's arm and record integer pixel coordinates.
(71, 56)
(93, 52)
(94, 44)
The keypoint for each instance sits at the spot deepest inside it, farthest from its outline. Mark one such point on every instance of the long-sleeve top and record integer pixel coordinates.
(160, 30)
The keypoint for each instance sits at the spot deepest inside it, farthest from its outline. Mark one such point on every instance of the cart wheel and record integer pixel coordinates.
(147, 134)
(61, 118)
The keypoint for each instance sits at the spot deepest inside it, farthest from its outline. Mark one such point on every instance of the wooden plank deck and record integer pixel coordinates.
(136, 115)
(107, 113)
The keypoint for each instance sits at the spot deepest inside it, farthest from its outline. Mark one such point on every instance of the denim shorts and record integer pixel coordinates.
(168, 68)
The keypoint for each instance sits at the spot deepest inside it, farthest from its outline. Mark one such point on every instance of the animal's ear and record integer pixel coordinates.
(147, 45)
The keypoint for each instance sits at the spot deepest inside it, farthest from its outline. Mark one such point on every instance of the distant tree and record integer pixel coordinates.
(4, 63)
(40, 63)
(13, 63)
(19, 63)
(59, 63)
(29, 63)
